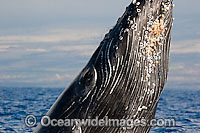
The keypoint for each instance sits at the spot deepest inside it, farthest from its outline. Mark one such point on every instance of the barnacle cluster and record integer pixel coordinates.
(154, 34)
(151, 39)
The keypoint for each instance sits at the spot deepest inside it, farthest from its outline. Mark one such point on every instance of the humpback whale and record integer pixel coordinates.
(126, 74)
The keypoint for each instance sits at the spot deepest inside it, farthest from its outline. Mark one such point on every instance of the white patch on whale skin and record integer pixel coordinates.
(134, 1)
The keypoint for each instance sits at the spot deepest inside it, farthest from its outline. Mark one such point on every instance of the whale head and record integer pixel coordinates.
(126, 74)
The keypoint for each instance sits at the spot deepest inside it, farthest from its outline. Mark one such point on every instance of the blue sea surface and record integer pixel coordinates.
(17, 103)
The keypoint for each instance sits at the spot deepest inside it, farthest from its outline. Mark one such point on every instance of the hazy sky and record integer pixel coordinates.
(45, 43)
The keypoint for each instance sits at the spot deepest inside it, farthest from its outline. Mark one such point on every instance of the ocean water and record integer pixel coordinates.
(16, 103)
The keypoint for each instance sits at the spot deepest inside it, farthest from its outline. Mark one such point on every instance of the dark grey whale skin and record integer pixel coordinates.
(112, 84)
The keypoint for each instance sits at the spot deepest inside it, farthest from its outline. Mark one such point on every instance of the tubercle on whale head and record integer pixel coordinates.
(131, 12)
